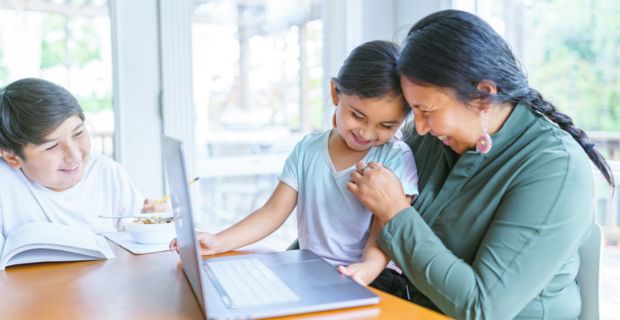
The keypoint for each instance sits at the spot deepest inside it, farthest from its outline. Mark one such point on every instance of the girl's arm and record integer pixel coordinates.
(259, 223)
(373, 257)
(373, 261)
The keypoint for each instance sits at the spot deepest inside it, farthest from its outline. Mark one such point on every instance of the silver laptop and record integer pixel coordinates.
(254, 285)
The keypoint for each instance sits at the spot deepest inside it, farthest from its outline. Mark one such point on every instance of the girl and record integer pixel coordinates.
(370, 109)
(48, 172)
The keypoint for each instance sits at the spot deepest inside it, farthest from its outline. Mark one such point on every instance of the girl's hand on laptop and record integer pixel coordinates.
(359, 272)
(208, 243)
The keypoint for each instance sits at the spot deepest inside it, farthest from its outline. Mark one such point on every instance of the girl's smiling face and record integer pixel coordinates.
(366, 122)
(59, 162)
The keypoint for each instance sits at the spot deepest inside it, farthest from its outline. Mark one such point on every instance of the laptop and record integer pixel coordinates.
(253, 285)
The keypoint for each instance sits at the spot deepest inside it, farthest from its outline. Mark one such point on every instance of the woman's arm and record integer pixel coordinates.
(538, 226)
(261, 222)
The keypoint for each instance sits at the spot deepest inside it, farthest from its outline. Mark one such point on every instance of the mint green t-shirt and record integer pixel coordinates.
(330, 220)
(496, 236)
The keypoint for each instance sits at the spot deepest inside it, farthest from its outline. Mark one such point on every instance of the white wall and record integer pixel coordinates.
(135, 56)
(178, 109)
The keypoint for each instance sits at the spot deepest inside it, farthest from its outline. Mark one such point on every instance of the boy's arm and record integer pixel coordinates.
(261, 222)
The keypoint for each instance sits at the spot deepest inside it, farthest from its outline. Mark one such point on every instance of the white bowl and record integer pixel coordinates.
(154, 233)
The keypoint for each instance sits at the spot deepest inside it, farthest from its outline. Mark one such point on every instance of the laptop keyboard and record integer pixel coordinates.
(248, 282)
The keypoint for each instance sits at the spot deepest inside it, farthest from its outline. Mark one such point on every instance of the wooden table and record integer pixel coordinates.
(137, 287)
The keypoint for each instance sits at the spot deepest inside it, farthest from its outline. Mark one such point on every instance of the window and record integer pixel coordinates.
(257, 89)
(66, 42)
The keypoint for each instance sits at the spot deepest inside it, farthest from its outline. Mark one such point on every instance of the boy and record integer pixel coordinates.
(48, 172)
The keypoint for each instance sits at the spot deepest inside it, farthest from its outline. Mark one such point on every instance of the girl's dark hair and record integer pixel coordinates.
(370, 71)
(30, 109)
(457, 50)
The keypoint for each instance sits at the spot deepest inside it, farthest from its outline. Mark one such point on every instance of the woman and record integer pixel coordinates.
(506, 186)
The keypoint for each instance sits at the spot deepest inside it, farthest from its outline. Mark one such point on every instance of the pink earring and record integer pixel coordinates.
(484, 142)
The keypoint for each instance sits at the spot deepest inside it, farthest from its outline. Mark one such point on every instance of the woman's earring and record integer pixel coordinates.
(334, 120)
(484, 142)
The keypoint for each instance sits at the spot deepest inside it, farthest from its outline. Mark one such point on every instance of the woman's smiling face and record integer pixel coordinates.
(437, 111)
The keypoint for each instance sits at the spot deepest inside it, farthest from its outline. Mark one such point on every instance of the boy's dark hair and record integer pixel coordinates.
(371, 71)
(457, 50)
(30, 109)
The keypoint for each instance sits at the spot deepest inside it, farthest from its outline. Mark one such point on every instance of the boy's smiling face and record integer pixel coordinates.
(59, 162)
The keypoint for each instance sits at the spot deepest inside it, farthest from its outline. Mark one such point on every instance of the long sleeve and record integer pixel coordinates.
(501, 242)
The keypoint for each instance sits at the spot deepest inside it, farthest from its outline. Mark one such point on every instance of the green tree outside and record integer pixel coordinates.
(72, 42)
(572, 55)
(4, 74)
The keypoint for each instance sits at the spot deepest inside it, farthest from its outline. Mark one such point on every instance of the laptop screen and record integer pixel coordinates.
(182, 210)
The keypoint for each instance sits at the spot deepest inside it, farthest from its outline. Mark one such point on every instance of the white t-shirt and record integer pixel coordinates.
(330, 220)
(105, 189)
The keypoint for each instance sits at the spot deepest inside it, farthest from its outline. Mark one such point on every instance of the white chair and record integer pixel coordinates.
(589, 274)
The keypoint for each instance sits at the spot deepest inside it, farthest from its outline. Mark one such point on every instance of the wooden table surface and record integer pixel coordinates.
(131, 286)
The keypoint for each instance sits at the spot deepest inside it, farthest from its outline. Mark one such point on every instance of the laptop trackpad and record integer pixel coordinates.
(310, 273)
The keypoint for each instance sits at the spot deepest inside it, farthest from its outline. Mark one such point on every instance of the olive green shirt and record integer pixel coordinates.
(496, 236)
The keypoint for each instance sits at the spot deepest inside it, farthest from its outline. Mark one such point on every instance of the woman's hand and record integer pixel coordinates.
(379, 190)
(208, 243)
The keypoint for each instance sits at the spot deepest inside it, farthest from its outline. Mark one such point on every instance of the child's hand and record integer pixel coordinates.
(174, 246)
(208, 243)
(362, 273)
(154, 206)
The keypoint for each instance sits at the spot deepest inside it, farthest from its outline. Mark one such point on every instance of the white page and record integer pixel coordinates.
(42, 241)
(45, 233)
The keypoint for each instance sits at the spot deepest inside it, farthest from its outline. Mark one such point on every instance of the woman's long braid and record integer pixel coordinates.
(535, 100)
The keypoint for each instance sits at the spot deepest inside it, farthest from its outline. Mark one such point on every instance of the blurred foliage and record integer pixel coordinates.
(572, 53)
(72, 42)
(68, 41)
(4, 73)
(94, 103)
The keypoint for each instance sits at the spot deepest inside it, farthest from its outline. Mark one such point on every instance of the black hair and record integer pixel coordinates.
(457, 50)
(370, 71)
(30, 109)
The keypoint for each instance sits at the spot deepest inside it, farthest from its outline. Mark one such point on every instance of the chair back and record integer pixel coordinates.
(588, 276)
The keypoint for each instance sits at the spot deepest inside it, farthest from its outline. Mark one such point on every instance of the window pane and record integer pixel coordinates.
(68, 43)
(258, 88)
